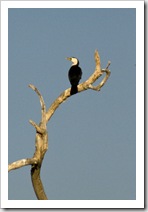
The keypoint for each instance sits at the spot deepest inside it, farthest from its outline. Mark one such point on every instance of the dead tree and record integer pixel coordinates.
(41, 140)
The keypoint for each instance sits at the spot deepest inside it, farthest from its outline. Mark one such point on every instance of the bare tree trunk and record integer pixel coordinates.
(41, 140)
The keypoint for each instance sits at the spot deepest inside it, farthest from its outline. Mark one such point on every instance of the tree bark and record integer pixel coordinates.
(41, 141)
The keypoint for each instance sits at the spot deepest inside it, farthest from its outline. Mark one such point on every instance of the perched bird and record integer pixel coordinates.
(74, 74)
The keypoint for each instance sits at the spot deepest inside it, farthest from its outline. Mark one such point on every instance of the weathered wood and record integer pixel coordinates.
(41, 140)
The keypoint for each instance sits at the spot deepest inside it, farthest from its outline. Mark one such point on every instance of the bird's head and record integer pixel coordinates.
(74, 60)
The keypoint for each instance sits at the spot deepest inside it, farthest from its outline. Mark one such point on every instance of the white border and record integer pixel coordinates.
(72, 4)
(139, 202)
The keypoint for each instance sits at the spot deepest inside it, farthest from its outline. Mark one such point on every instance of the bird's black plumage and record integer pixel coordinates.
(74, 75)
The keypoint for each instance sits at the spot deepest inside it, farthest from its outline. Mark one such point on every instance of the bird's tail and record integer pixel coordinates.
(74, 89)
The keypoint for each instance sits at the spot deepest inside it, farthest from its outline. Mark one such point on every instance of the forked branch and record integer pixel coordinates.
(20, 163)
(41, 141)
(83, 86)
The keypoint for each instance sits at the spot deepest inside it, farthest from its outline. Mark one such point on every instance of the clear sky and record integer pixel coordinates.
(92, 136)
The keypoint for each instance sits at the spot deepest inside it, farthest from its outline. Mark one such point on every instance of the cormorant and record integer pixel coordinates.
(74, 74)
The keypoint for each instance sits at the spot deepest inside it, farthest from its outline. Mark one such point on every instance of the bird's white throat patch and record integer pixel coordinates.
(74, 61)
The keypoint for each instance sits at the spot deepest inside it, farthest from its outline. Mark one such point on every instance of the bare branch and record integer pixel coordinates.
(40, 97)
(38, 129)
(43, 106)
(20, 163)
(41, 141)
(98, 87)
(81, 87)
(41, 144)
(37, 183)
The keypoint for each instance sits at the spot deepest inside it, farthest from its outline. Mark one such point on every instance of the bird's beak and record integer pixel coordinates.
(68, 58)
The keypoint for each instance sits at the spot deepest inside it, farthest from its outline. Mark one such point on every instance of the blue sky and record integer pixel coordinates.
(92, 136)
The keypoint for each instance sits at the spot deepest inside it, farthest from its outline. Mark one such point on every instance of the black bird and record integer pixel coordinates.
(74, 74)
